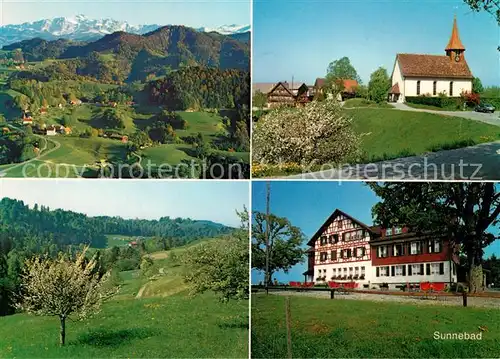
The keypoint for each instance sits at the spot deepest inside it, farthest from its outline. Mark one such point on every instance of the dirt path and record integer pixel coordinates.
(43, 151)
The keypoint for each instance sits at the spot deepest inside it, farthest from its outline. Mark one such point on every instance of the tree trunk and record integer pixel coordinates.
(476, 278)
(62, 333)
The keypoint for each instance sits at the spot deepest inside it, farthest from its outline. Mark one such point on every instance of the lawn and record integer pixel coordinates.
(347, 328)
(81, 151)
(391, 133)
(164, 322)
(361, 102)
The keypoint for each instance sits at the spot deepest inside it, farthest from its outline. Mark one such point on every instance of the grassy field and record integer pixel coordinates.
(324, 328)
(361, 102)
(392, 133)
(163, 322)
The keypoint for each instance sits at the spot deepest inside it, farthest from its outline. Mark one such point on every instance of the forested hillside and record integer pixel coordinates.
(121, 56)
(39, 229)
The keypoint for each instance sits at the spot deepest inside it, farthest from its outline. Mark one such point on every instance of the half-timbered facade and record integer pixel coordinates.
(340, 251)
(347, 250)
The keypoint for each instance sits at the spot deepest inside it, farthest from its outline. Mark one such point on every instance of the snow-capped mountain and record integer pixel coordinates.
(227, 29)
(82, 28)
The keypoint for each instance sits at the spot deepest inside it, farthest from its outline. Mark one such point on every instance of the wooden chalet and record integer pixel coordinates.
(282, 95)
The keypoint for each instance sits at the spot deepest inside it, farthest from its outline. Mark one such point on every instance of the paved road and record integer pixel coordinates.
(491, 118)
(43, 151)
(480, 162)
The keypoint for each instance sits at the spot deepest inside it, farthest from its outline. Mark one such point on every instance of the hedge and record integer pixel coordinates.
(442, 102)
(448, 102)
(495, 101)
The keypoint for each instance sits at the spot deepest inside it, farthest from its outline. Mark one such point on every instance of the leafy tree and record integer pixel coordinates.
(285, 244)
(62, 288)
(477, 86)
(259, 99)
(379, 85)
(462, 211)
(221, 265)
(317, 133)
(341, 69)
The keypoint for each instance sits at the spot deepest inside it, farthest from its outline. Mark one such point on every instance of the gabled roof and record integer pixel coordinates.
(285, 86)
(350, 85)
(455, 43)
(395, 89)
(330, 219)
(437, 66)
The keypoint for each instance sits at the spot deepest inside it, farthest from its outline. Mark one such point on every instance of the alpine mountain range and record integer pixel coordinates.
(83, 28)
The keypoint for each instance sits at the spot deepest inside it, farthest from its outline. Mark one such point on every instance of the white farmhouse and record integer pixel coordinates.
(432, 75)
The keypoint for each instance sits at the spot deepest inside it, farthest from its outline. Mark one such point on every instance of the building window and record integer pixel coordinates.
(451, 88)
(401, 270)
(345, 272)
(333, 255)
(322, 256)
(360, 252)
(417, 269)
(434, 88)
(382, 252)
(398, 230)
(388, 232)
(323, 240)
(398, 250)
(435, 268)
(418, 88)
(356, 271)
(415, 248)
(435, 246)
(441, 268)
(362, 271)
(334, 270)
(384, 271)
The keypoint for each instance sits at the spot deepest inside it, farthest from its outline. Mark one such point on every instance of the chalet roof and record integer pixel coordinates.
(395, 89)
(436, 66)
(334, 215)
(285, 86)
(455, 43)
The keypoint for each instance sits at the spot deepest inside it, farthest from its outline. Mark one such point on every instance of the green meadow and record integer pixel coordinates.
(324, 328)
(389, 133)
(151, 317)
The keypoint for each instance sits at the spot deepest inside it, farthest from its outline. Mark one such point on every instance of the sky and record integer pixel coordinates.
(203, 200)
(193, 13)
(308, 204)
(300, 38)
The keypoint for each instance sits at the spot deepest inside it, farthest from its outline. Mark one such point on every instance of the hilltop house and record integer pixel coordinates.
(347, 250)
(51, 131)
(432, 75)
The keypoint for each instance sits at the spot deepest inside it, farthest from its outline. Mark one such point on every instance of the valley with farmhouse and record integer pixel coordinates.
(424, 114)
(75, 285)
(169, 102)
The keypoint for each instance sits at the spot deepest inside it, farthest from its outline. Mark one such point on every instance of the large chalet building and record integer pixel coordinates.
(432, 75)
(347, 250)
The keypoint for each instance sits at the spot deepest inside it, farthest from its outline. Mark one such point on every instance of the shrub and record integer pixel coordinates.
(318, 132)
(495, 101)
(445, 102)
